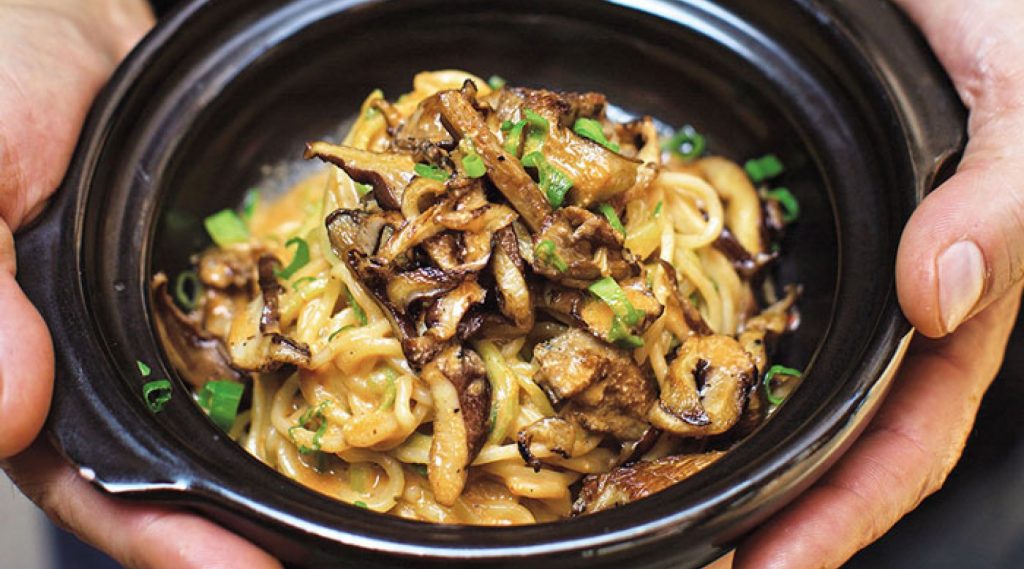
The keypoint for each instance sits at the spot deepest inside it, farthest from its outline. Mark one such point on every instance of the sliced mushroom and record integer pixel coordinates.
(628, 484)
(360, 230)
(199, 357)
(425, 284)
(705, 390)
(226, 268)
(444, 316)
(550, 435)
(565, 108)
(606, 390)
(580, 308)
(746, 264)
(463, 120)
(461, 394)
(585, 246)
(388, 172)
(513, 293)
(425, 125)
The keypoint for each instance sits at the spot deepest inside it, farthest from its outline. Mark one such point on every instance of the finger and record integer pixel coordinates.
(904, 455)
(964, 246)
(26, 366)
(137, 536)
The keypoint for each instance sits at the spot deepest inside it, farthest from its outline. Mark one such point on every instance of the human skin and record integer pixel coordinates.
(962, 301)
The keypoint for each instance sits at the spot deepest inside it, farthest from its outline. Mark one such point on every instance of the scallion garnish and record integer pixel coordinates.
(554, 182)
(220, 400)
(360, 313)
(589, 128)
(187, 290)
(545, 250)
(249, 203)
(313, 413)
(432, 172)
(473, 164)
(789, 203)
(772, 372)
(339, 331)
(657, 209)
(764, 168)
(298, 261)
(513, 136)
(226, 228)
(686, 143)
(301, 282)
(621, 336)
(536, 134)
(496, 82)
(360, 504)
(143, 368)
(612, 217)
(156, 393)
(390, 390)
(612, 294)
(363, 189)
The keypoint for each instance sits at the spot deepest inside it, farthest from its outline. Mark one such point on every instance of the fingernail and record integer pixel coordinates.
(961, 269)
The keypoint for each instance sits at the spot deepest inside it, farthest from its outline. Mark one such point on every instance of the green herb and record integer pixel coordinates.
(363, 189)
(496, 82)
(657, 210)
(143, 368)
(764, 168)
(226, 228)
(360, 313)
(686, 143)
(545, 249)
(622, 337)
(536, 134)
(513, 136)
(612, 217)
(339, 331)
(300, 282)
(390, 390)
(311, 414)
(249, 203)
(790, 206)
(360, 504)
(612, 294)
(220, 400)
(156, 393)
(551, 180)
(432, 172)
(473, 164)
(772, 372)
(187, 290)
(300, 259)
(589, 128)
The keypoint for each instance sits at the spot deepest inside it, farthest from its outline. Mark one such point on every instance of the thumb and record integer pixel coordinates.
(26, 359)
(964, 246)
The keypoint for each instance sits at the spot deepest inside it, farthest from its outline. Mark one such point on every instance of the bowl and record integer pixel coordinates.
(222, 95)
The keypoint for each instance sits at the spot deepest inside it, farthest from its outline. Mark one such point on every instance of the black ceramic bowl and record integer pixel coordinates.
(844, 91)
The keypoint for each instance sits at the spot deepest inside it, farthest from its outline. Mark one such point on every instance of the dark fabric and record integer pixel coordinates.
(161, 7)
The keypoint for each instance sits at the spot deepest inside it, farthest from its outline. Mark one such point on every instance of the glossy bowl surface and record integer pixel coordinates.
(222, 96)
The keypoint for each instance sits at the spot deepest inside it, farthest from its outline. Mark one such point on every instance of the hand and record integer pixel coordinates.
(54, 57)
(959, 275)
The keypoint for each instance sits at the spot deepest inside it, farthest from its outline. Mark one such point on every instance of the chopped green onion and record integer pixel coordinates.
(496, 82)
(686, 143)
(591, 129)
(300, 282)
(249, 203)
(157, 394)
(432, 172)
(390, 390)
(612, 217)
(226, 228)
(612, 294)
(621, 336)
(536, 134)
(363, 189)
(772, 372)
(657, 209)
(513, 136)
(551, 180)
(312, 413)
(546, 251)
(789, 203)
(360, 313)
(143, 368)
(764, 168)
(474, 166)
(300, 259)
(339, 331)
(220, 400)
(187, 290)
(360, 504)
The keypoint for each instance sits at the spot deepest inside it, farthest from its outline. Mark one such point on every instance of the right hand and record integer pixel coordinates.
(54, 57)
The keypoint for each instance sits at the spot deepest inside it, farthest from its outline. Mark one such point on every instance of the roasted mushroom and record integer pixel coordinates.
(388, 172)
